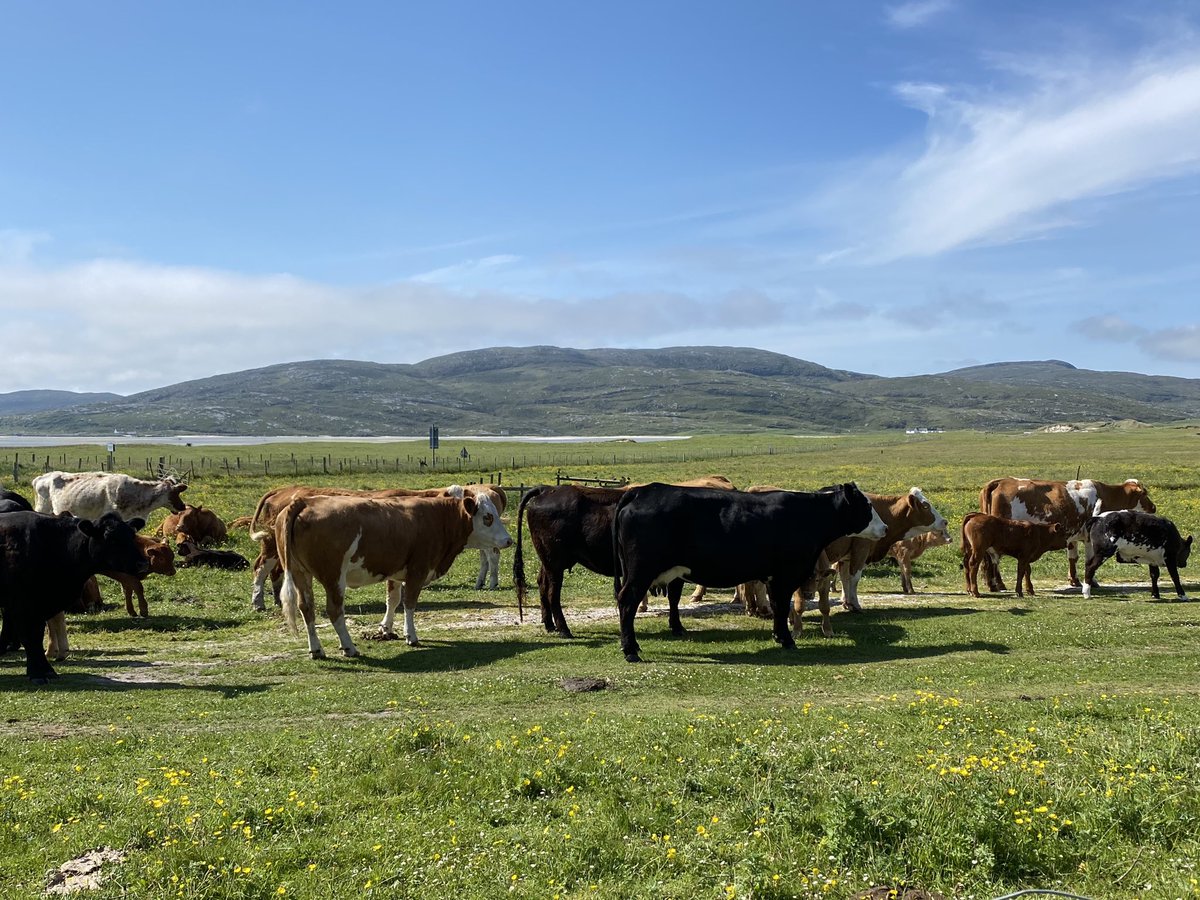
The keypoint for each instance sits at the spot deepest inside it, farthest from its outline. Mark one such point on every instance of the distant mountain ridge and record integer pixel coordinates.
(555, 390)
(37, 401)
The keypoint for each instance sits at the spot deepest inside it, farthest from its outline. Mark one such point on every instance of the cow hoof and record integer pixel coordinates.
(564, 633)
(789, 644)
(39, 681)
(413, 642)
(388, 635)
(678, 630)
(633, 658)
(260, 607)
(350, 651)
(317, 654)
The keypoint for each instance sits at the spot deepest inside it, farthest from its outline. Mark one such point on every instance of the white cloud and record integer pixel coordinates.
(997, 168)
(1182, 344)
(915, 13)
(466, 268)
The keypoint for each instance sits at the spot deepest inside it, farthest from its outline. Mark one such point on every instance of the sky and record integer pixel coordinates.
(894, 188)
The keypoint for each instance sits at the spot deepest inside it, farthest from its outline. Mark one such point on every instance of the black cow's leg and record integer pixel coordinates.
(1154, 573)
(37, 667)
(627, 604)
(1173, 571)
(674, 592)
(1095, 560)
(781, 596)
(558, 621)
(544, 588)
(10, 637)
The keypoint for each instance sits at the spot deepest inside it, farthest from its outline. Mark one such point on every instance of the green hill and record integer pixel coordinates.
(553, 390)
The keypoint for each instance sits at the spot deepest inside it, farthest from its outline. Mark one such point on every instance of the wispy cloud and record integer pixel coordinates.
(467, 267)
(915, 13)
(1181, 344)
(1002, 167)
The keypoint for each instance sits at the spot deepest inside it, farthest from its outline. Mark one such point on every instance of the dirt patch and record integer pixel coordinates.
(887, 893)
(83, 872)
(583, 684)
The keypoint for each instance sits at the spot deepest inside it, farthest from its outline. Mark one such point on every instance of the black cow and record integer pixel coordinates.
(569, 525)
(44, 562)
(1133, 536)
(192, 556)
(13, 502)
(662, 533)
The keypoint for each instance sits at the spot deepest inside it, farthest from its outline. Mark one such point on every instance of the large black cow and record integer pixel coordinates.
(662, 533)
(13, 502)
(44, 562)
(1133, 536)
(569, 525)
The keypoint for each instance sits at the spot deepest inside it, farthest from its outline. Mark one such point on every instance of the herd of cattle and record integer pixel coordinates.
(777, 548)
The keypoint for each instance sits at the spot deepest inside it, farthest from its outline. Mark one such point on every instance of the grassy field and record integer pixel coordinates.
(969, 747)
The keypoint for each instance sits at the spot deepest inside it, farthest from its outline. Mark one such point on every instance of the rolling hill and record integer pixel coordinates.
(553, 390)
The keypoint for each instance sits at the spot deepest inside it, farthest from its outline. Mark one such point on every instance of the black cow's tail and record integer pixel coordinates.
(519, 556)
(618, 569)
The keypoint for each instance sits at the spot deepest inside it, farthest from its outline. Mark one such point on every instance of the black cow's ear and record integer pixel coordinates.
(136, 524)
(90, 528)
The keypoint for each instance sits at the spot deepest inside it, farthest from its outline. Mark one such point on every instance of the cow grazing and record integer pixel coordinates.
(570, 525)
(1069, 503)
(10, 501)
(663, 533)
(192, 556)
(44, 562)
(1133, 536)
(346, 542)
(262, 525)
(905, 551)
(91, 495)
(990, 537)
(200, 525)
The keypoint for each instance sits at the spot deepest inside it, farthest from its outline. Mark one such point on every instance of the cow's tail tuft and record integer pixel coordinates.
(289, 593)
(519, 556)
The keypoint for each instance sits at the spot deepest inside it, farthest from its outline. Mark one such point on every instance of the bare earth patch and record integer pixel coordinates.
(83, 872)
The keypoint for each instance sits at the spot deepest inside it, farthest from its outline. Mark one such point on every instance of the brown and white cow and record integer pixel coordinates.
(262, 523)
(1069, 503)
(489, 559)
(905, 551)
(89, 495)
(344, 542)
(990, 537)
(194, 523)
(905, 515)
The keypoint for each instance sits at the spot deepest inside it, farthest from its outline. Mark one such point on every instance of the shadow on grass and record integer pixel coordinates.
(164, 624)
(807, 653)
(443, 656)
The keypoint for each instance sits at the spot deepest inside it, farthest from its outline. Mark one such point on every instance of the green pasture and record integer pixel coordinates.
(938, 742)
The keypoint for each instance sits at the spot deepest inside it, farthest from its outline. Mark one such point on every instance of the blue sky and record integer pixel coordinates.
(894, 188)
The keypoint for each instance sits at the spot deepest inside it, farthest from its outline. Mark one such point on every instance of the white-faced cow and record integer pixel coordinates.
(44, 562)
(1069, 503)
(345, 542)
(986, 537)
(91, 495)
(663, 533)
(1133, 536)
(489, 559)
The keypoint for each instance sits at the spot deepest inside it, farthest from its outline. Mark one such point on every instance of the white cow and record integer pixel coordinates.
(89, 495)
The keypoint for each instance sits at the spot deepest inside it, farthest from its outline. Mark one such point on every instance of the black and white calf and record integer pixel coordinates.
(718, 538)
(1133, 536)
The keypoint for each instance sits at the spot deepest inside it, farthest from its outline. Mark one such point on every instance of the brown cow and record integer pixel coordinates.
(1069, 503)
(904, 552)
(346, 542)
(200, 525)
(990, 537)
(273, 503)
(906, 516)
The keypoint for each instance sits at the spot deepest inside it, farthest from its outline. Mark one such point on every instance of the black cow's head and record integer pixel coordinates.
(113, 545)
(1185, 550)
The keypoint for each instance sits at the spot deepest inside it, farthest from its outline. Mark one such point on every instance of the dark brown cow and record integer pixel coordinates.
(571, 525)
(344, 542)
(990, 537)
(192, 556)
(1069, 503)
(197, 524)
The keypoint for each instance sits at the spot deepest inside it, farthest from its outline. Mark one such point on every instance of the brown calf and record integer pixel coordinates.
(990, 537)
(201, 525)
(904, 552)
